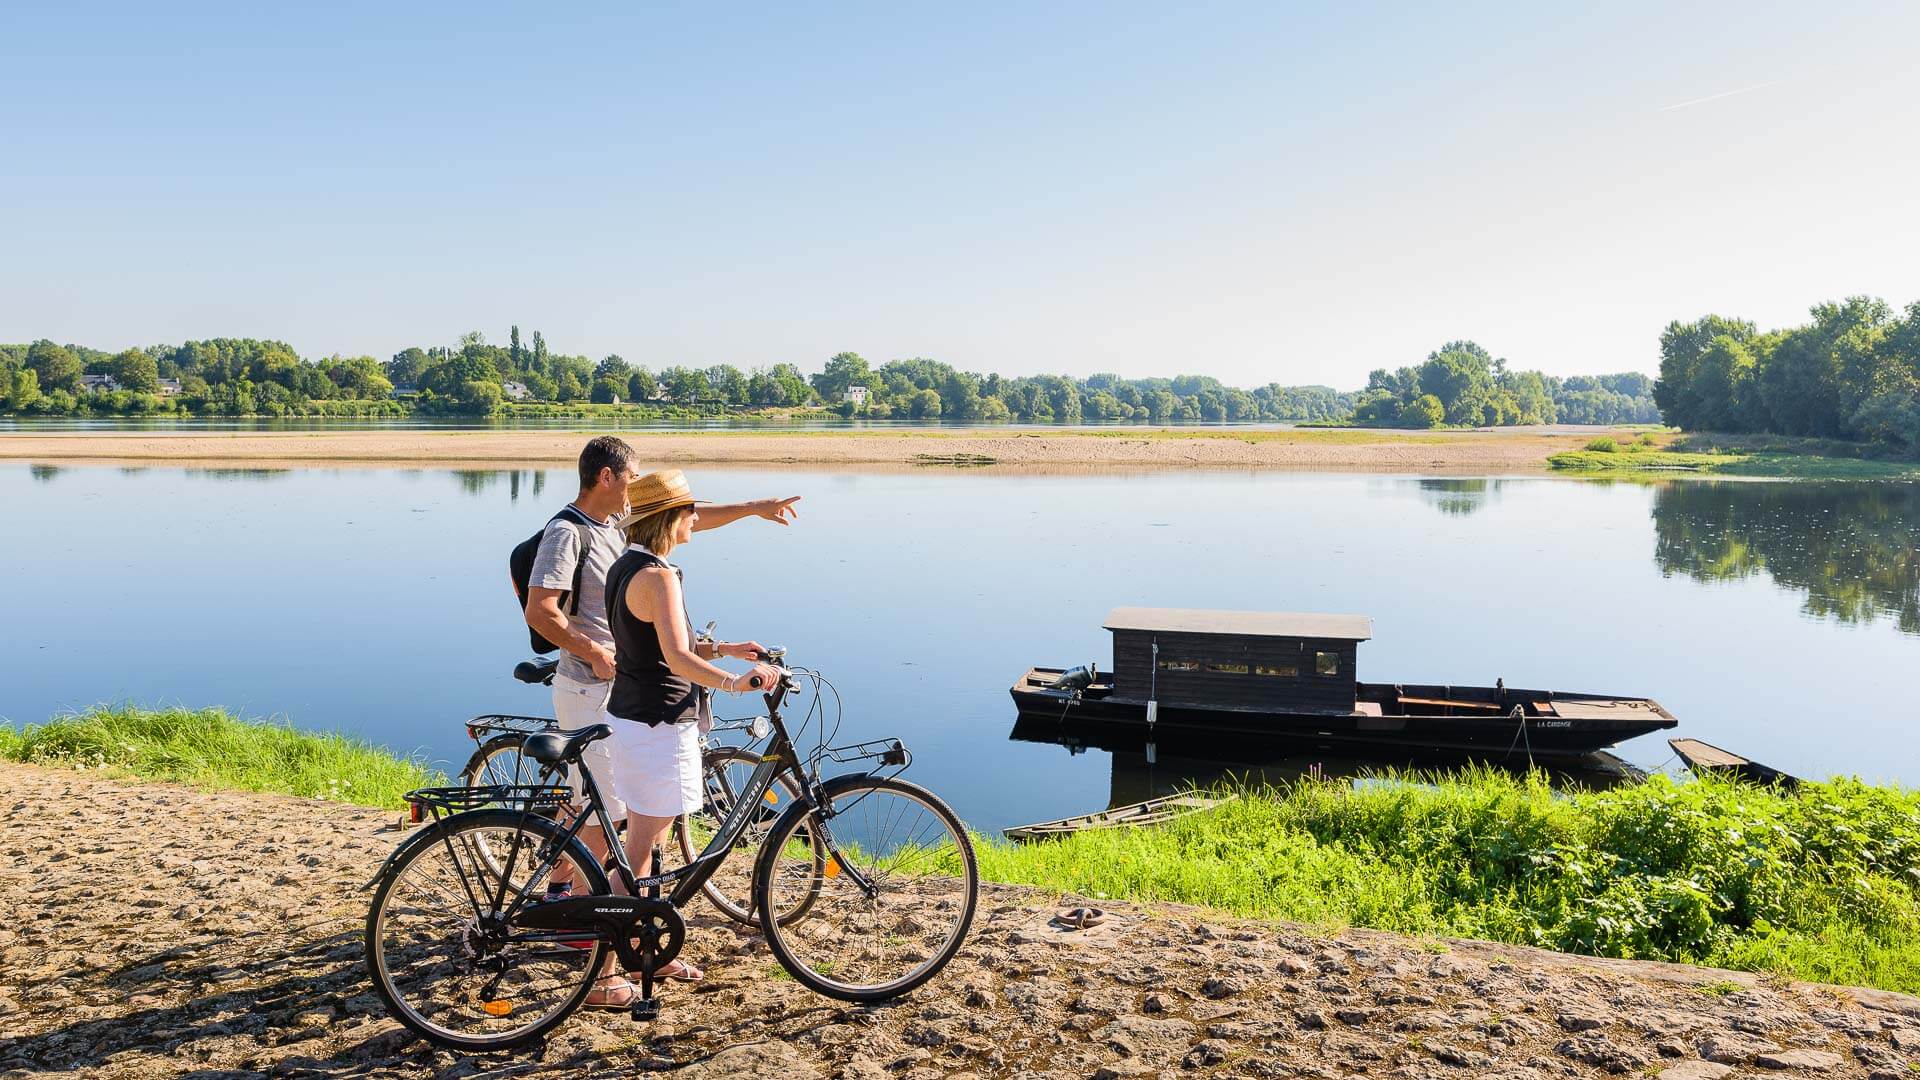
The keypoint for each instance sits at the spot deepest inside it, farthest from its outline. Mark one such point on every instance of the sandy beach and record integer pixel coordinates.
(1511, 450)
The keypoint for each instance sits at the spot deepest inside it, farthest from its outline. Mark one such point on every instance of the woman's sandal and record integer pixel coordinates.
(679, 971)
(611, 994)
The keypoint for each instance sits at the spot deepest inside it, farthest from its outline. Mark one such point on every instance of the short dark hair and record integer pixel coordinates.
(605, 452)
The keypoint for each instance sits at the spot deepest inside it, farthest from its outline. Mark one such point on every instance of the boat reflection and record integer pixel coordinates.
(1178, 763)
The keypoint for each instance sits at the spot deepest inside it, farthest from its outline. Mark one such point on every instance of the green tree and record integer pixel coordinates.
(54, 365)
(567, 387)
(1424, 411)
(641, 385)
(406, 367)
(607, 390)
(136, 371)
(842, 370)
(925, 405)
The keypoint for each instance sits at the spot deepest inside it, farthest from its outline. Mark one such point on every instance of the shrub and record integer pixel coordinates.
(1603, 445)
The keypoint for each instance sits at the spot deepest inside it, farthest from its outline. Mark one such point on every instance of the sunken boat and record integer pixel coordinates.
(1179, 671)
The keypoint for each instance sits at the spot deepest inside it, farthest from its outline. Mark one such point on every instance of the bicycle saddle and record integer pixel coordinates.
(554, 747)
(535, 671)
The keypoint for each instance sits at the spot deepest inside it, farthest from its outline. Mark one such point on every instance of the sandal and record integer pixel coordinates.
(612, 995)
(679, 971)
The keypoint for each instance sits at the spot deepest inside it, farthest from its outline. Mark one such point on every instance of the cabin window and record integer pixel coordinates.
(1227, 669)
(1179, 665)
(1278, 671)
(1326, 663)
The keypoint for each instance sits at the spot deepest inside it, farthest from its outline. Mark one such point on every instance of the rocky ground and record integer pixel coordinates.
(150, 930)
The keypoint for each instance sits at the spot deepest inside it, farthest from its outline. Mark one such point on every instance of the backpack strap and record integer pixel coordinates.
(573, 513)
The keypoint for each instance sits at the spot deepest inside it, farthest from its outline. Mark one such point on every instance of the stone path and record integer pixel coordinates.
(150, 930)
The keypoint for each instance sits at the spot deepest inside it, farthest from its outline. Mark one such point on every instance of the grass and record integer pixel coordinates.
(1818, 884)
(212, 749)
(1766, 456)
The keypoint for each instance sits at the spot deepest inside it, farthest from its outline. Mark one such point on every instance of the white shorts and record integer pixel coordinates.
(580, 705)
(656, 768)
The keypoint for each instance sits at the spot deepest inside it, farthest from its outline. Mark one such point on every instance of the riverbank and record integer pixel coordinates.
(1699, 872)
(152, 930)
(1743, 456)
(1489, 451)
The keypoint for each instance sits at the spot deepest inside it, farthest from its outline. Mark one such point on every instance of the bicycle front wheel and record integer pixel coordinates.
(894, 901)
(439, 952)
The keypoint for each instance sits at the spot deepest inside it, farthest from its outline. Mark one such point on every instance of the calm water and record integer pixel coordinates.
(1771, 618)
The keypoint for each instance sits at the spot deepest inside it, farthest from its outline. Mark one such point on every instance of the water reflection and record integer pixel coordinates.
(1458, 496)
(1178, 763)
(232, 473)
(1853, 549)
(479, 481)
(44, 473)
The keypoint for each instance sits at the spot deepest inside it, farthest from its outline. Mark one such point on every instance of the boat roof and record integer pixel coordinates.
(1251, 623)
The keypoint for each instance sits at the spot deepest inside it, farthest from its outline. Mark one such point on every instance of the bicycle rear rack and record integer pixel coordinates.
(502, 724)
(442, 801)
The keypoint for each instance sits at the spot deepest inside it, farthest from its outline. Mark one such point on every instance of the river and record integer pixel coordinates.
(1771, 618)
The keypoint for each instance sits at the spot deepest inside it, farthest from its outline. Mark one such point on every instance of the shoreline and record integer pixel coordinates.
(1153, 449)
(247, 962)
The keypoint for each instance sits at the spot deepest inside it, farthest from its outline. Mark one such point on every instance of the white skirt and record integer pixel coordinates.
(656, 769)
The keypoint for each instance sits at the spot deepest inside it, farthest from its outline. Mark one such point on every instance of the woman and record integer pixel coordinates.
(661, 683)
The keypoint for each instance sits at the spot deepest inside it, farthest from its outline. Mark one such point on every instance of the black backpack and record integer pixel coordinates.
(520, 567)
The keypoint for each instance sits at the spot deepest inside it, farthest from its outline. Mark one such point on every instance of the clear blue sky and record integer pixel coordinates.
(1244, 190)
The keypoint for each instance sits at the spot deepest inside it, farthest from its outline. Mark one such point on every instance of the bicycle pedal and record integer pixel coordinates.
(645, 1009)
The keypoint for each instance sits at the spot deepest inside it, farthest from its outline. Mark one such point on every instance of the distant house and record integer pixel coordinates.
(99, 382)
(517, 391)
(169, 387)
(855, 394)
(406, 390)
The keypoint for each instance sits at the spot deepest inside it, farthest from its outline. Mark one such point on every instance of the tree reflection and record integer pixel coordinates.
(478, 481)
(1852, 548)
(1458, 497)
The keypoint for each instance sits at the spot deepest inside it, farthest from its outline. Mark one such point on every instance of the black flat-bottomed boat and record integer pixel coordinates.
(1290, 675)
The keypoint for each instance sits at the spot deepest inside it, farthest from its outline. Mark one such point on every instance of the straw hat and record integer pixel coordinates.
(655, 492)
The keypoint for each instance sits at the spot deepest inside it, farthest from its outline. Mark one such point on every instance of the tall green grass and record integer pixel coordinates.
(211, 748)
(1820, 883)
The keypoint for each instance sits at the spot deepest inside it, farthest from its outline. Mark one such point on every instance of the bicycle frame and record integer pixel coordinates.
(687, 880)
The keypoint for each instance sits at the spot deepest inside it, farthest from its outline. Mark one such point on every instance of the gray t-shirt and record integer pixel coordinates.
(560, 551)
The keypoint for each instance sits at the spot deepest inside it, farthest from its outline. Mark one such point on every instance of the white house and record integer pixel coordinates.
(517, 391)
(855, 394)
(169, 387)
(99, 382)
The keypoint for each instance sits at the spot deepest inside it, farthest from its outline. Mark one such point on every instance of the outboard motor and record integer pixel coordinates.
(1076, 679)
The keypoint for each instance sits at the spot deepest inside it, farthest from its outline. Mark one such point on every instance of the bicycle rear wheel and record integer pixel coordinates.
(726, 771)
(894, 901)
(439, 953)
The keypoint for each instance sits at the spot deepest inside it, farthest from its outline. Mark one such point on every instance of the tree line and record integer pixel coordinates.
(1852, 372)
(1461, 384)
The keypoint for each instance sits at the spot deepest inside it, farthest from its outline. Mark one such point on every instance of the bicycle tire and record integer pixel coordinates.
(778, 933)
(423, 844)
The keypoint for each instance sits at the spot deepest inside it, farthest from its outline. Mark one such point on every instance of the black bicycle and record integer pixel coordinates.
(466, 949)
(499, 760)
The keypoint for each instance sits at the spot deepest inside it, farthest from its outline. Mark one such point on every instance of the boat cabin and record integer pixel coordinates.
(1237, 659)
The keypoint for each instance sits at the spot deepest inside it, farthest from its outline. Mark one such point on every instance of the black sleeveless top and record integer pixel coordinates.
(645, 689)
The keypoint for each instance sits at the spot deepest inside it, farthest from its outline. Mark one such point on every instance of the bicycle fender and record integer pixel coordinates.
(424, 836)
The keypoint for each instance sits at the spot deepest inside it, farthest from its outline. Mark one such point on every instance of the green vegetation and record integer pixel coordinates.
(1463, 385)
(1852, 373)
(1806, 459)
(210, 748)
(1819, 883)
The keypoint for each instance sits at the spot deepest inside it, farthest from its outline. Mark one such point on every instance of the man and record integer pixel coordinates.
(585, 674)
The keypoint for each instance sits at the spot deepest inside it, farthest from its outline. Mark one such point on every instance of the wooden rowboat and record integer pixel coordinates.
(1151, 812)
(1704, 758)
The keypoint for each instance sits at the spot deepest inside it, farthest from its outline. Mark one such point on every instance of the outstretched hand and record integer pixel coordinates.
(778, 511)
